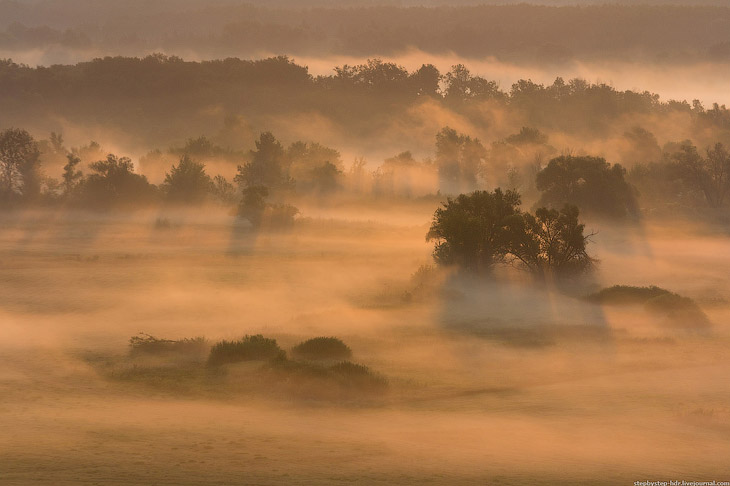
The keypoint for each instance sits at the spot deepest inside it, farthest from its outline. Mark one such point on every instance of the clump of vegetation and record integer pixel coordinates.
(322, 348)
(145, 344)
(627, 295)
(250, 348)
(678, 311)
(358, 376)
(255, 208)
(307, 376)
(674, 309)
(425, 281)
(280, 215)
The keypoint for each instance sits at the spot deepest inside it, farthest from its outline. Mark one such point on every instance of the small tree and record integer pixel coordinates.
(187, 182)
(474, 231)
(71, 176)
(253, 204)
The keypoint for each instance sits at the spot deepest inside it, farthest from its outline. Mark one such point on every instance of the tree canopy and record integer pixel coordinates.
(476, 231)
(19, 164)
(590, 183)
(114, 183)
(187, 182)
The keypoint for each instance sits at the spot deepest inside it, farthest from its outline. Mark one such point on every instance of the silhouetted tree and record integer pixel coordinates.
(19, 164)
(551, 243)
(710, 175)
(254, 208)
(474, 231)
(114, 183)
(253, 204)
(187, 182)
(462, 86)
(479, 230)
(199, 148)
(459, 159)
(590, 183)
(223, 191)
(527, 136)
(425, 80)
(314, 167)
(642, 147)
(268, 166)
(325, 178)
(71, 176)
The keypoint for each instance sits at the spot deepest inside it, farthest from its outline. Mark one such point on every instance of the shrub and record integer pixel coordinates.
(145, 344)
(280, 215)
(322, 348)
(677, 310)
(358, 376)
(626, 295)
(250, 348)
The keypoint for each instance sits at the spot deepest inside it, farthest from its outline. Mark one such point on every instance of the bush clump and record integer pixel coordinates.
(675, 310)
(320, 348)
(358, 376)
(250, 348)
(627, 295)
(678, 311)
(145, 344)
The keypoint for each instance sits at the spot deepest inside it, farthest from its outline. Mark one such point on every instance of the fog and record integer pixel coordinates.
(517, 251)
(485, 381)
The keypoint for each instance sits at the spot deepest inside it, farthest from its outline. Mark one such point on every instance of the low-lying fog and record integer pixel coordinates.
(499, 383)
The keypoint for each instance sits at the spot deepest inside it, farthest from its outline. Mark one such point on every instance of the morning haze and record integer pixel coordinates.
(374, 242)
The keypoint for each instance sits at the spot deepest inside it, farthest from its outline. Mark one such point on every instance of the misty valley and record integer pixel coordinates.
(225, 268)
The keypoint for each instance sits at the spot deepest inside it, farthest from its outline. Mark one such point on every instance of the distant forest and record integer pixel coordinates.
(515, 33)
(159, 100)
(671, 153)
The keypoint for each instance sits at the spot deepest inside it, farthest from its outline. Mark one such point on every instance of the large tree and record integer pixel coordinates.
(590, 183)
(474, 231)
(479, 230)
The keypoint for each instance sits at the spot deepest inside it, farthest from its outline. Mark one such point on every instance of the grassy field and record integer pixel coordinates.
(487, 383)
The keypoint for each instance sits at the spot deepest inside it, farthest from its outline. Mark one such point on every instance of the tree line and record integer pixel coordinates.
(134, 94)
(271, 176)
